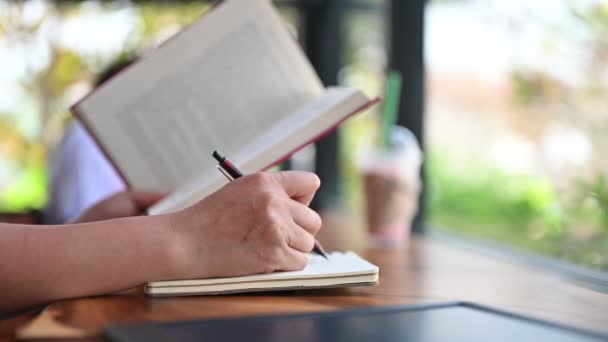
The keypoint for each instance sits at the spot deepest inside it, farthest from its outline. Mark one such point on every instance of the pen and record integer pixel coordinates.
(228, 169)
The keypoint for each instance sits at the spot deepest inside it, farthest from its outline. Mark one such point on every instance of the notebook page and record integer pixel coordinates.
(338, 264)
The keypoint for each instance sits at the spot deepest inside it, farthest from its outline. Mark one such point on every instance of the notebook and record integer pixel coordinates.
(339, 269)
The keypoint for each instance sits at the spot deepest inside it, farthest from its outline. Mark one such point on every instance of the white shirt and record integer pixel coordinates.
(80, 176)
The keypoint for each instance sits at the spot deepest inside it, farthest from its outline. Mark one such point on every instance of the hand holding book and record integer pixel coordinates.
(122, 204)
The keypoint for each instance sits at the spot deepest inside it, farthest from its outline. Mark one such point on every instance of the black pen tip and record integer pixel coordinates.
(319, 250)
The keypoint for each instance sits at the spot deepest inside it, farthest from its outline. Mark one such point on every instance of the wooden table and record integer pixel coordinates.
(428, 271)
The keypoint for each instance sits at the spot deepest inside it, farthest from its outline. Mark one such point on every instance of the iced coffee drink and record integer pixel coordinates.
(392, 186)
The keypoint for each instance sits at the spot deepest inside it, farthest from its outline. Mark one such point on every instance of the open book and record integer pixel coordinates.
(340, 269)
(234, 81)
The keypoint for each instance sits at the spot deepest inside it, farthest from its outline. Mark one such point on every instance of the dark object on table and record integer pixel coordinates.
(434, 322)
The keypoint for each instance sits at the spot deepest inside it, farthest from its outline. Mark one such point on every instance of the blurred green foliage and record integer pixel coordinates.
(529, 212)
(65, 69)
(595, 194)
(488, 195)
(27, 192)
(158, 16)
(596, 21)
(532, 87)
(523, 211)
(363, 32)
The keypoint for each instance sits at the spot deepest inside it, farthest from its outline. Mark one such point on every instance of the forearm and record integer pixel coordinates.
(43, 264)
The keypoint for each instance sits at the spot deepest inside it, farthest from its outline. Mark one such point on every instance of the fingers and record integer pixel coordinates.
(145, 199)
(306, 224)
(305, 217)
(299, 185)
(299, 239)
(294, 260)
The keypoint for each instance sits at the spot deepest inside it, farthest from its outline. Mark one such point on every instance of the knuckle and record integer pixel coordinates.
(269, 201)
(260, 179)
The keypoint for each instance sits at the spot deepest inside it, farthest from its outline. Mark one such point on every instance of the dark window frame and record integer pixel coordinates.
(323, 42)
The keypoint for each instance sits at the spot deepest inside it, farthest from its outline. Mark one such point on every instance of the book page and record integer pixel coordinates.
(216, 85)
(284, 138)
(337, 264)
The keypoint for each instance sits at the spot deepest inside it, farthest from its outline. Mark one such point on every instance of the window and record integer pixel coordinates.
(515, 120)
(517, 115)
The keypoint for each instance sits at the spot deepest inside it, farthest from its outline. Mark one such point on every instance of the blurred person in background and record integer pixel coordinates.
(81, 176)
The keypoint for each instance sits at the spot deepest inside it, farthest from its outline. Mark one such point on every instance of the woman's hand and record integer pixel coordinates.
(257, 224)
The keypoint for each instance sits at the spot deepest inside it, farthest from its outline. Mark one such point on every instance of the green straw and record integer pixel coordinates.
(390, 107)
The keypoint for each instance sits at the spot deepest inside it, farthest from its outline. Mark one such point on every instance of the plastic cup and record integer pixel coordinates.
(391, 179)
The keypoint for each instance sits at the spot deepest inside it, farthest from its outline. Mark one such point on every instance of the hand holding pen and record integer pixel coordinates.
(260, 223)
(231, 172)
